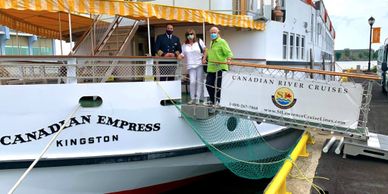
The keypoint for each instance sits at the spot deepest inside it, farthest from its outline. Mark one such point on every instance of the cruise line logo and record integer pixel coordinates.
(284, 98)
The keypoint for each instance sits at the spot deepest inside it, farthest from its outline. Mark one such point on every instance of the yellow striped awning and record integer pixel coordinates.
(43, 23)
(13, 14)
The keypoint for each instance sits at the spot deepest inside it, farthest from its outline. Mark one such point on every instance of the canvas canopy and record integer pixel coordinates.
(41, 17)
(43, 23)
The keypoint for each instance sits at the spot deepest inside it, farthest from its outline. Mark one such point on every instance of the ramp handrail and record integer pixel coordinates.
(304, 70)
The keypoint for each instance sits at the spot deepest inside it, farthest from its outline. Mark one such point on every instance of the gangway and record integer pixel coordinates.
(300, 98)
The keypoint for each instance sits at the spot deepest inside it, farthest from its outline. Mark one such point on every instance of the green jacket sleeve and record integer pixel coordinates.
(226, 50)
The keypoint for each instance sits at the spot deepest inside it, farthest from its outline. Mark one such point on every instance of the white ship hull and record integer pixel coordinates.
(131, 176)
(131, 141)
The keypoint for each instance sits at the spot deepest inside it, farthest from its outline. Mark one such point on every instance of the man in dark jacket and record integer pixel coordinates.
(169, 46)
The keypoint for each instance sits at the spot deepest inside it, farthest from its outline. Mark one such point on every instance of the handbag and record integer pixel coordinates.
(201, 49)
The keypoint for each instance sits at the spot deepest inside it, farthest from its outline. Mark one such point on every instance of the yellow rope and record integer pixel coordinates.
(307, 179)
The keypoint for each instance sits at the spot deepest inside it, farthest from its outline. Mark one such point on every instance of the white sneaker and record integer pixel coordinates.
(216, 106)
(190, 102)
(207, 103)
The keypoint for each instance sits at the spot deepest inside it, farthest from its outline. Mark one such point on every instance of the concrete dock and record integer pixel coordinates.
(351, 175)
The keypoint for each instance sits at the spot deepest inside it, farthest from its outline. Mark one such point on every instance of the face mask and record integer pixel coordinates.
(169, 32)
(191, 37)
(213, 36)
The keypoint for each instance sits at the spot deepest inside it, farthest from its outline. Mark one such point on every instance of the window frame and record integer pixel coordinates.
(292, 44)
(302, 47)
(285, 45)
(297, 46)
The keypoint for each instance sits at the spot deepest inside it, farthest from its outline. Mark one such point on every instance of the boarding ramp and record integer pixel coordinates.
(253, 94)
(298, 98)
(303, 98)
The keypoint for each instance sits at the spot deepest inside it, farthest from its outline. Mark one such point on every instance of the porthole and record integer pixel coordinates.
(232, 123)
(90, 101)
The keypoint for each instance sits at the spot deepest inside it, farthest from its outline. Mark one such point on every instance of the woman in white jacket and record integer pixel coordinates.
(192, 51)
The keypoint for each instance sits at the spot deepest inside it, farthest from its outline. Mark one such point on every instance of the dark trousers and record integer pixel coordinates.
(167, 70)
(211, 80)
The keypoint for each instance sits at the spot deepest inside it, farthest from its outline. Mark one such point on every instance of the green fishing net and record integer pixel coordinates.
(237, 142)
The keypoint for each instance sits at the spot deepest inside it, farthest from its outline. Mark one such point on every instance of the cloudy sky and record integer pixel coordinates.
(350, 20)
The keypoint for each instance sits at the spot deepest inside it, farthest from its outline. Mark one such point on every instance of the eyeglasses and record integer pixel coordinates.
(190, 33)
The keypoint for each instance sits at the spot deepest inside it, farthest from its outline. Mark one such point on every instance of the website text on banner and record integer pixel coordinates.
(325, 102)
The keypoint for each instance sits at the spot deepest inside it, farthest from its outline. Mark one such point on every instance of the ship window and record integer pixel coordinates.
(323, 40)
(17, 45)
(285, 38)
(292, 46)
(312, 28)
(302, 48)
(319, 29)
(42, 47)
(282, 4)
(297, 46)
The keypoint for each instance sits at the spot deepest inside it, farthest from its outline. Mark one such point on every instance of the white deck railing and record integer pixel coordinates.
(72, 69)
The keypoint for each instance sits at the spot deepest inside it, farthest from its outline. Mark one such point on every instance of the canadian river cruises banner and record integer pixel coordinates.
(323, 102)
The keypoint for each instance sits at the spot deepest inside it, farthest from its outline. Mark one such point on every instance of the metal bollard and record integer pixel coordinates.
(340, 145)
(329, 144)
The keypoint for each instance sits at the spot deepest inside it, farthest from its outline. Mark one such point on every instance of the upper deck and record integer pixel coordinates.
(305, 26)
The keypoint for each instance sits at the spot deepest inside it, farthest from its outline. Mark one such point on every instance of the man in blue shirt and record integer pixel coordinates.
(169, 46)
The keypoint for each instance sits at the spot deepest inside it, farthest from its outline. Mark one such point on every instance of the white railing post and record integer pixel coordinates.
(71, 71)
(148, 74)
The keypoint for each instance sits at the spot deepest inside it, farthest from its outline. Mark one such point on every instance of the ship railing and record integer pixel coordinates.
(17, 70)
(250, 60)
